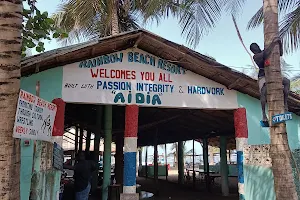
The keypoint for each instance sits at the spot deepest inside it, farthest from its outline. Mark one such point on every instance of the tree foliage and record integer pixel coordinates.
(289, 24)
(37, 27)
(90, 19)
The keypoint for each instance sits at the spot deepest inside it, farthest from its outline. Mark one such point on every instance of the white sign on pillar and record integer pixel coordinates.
(34, 117)
(137, 77)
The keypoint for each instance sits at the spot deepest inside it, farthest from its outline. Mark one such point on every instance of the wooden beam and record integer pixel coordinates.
(234, 84)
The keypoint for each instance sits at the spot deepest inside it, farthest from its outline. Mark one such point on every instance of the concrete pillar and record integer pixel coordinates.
(241, 136)
(119, 159)
(224, 166)
(180, 163)
(130, 149)
(107, 151)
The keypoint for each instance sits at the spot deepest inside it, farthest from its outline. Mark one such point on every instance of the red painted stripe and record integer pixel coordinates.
(240, 123)
(59, 122)
(131, 120)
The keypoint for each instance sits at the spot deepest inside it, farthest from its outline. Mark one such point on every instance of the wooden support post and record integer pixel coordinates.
(88, 143)
(166, 155)
(140, 157)
(76, 139)
(156, 164)
(97, 146)
(119, 159)
(81, 139)
(194, 178)
(180, 163)
(107, 151)
(206, 164)
(155, 159)
(224, 166)
(146, 162)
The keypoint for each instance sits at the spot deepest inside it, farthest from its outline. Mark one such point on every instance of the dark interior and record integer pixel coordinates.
(170, 125)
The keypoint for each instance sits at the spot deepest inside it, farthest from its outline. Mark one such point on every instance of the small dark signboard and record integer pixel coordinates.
(58, 157)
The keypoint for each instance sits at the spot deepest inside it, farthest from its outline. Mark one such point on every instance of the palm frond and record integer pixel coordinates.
(290, 30)
(256, 20)
(89, 19)
(197, 18)
(156, 10)
(233, 6)
(286, 5)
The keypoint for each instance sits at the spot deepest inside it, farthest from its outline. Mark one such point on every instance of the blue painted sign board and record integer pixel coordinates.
(58, 157)
(281, 118)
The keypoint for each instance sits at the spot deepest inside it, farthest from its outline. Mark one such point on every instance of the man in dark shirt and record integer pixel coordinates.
(261, 58)
(82, 175)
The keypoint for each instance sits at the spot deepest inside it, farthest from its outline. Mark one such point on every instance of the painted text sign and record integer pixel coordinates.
(281, 118)
(34, 117)
(137, 77)
(58, 157)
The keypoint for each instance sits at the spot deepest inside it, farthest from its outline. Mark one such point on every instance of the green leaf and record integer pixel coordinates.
(64, 35)
(49, 21)
(30, 44)
(41, 44)
(38, 49)
(56, 35)
(45, 14)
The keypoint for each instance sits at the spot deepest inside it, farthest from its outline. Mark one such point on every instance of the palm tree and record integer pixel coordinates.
(289, 25)
(10, 62)
(280, 151)
(89, 19)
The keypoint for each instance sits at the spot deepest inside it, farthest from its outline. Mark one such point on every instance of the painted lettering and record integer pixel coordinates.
(111, 85)
(205, 90)
(140, 98)
(157, 88)
(101, 60)
(113, 73)
(27, 96)
(141, 58)
(148, 76)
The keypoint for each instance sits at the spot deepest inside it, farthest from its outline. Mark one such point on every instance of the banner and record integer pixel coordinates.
(34, 117)
(134, 76)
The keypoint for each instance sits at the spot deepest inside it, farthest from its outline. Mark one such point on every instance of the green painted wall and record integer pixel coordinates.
(259, 180)
(50, 88)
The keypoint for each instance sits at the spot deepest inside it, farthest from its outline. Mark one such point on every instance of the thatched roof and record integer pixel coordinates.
(158, 46)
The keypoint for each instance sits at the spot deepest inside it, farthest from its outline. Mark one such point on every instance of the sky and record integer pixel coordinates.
(222, 42)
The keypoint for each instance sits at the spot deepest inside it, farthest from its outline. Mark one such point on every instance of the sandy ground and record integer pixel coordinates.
(170, 190)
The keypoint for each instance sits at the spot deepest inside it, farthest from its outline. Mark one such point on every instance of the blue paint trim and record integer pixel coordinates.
(129, 168)
(240, 158)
